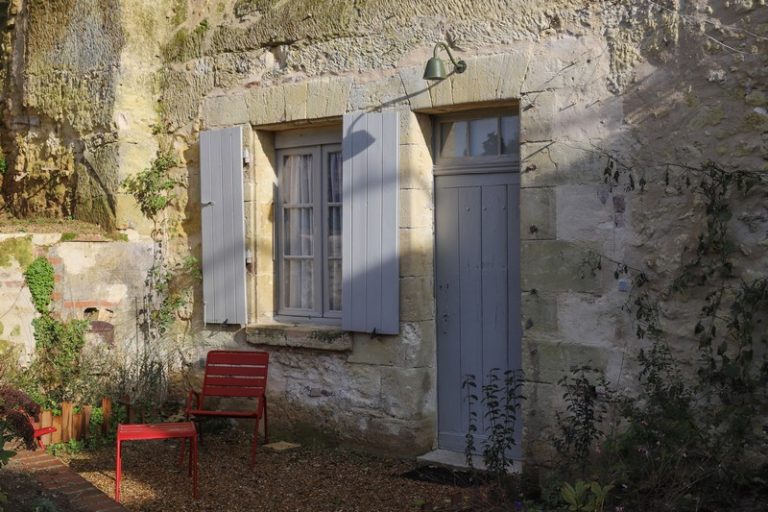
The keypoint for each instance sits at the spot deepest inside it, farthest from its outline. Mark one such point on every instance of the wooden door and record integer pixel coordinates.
(477, 290)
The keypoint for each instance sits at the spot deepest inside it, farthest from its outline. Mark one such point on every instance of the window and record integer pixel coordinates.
(481, 140)
(309, 231)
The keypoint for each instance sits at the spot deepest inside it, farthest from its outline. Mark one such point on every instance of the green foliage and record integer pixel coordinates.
(153, 187)
(585, 497)
(501, 397)
(585, 409)
(66, 237)
(3, 165)
(40, 280)
(58, 347)
(71, 447)
(693, 435)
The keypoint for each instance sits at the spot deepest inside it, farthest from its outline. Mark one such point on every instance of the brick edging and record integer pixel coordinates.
(56, 477)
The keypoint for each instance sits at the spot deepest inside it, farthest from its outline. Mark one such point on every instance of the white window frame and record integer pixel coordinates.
(444, 165)
(321, 311)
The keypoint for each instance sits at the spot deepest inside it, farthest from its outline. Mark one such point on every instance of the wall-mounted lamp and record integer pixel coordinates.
(435, 69)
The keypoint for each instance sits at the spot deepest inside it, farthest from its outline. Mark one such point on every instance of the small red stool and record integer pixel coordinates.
(147, 431)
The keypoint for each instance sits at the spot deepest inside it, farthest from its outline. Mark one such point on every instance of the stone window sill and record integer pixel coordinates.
(314, 337)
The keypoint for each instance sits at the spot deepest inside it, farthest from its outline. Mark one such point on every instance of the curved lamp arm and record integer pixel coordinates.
(459, 65)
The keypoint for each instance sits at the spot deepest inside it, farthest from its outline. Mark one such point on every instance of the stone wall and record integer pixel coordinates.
(638, 82)
(95, 279)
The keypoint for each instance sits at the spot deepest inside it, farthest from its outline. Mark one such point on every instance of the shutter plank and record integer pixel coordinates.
(207, 193)
(370, 269)
(390, 227)
(223, 226)
(372, 265)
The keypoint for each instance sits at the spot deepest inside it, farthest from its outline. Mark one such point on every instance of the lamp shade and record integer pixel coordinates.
(434, 70)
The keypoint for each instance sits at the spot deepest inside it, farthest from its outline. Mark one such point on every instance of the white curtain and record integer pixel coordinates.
(334, 231)
(298, 230)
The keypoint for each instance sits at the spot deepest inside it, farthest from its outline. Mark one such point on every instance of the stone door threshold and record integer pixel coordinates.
(459, 460)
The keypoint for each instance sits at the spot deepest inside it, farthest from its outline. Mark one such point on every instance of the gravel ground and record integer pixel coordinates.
(310, 478)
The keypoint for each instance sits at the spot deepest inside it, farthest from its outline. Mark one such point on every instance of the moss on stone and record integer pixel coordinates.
(245, 7)
(70, 77)
(95, 202)
(18, 248)
(185, 45)
(271, 334)
(326, 336)
(180, 12)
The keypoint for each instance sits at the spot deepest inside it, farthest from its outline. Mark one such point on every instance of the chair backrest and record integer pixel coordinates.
(232, 373)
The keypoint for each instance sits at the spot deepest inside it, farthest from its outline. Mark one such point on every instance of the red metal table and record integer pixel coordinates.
(141, 432)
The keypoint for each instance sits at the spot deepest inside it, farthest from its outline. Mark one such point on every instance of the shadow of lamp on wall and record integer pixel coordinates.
(435, 68)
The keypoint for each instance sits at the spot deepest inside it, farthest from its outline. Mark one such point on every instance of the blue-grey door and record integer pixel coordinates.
(477, 280)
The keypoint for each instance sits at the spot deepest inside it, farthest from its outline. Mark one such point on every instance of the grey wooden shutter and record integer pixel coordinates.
(370, 267)
(223, 226)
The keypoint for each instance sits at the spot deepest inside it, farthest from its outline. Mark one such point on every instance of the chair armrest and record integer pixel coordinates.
(188, 406)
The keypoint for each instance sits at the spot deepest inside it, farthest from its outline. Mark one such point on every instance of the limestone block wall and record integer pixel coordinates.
(644, 83)
(383, 389)
(581, 76)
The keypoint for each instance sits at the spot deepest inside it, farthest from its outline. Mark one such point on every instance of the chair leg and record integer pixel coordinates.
(266, 431)
(118, 473)
(193, 466)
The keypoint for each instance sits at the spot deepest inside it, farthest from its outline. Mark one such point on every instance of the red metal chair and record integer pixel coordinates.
(233, 374)
(40, 432)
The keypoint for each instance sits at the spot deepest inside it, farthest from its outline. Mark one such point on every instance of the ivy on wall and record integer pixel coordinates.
(58, 344)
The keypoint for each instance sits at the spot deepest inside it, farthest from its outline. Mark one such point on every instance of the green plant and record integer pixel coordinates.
(153, 187)
(585, 497)
(66, 237)
(58, 347)
(56, 367)
(501, 400)
(695, 429)
(40, 280)
(71, 447)
(585, 409)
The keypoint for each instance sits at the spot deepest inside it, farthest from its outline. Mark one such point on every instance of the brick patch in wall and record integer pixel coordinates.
(59, 478)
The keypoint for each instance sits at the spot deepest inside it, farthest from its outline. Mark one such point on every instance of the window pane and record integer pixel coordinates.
(510, 135)
(299, 291)
(454, 139)
(297, 179)
(298, 227)
(334, 232)
(484, 137)
(334, 177)
(334, 285)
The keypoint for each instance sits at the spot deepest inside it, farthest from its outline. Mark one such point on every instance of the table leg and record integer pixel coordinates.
(118, 473)
(193, 455)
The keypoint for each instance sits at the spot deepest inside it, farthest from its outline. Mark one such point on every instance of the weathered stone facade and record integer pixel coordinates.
(646, 83)
(95, 279)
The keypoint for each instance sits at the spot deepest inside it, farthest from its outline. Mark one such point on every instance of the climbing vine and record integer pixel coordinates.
(153, 187)
(693, 421)
(40, 280)
(58, 344)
